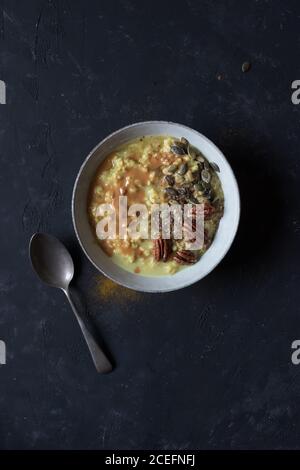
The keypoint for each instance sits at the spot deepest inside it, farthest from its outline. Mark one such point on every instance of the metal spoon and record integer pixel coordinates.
(54, 265)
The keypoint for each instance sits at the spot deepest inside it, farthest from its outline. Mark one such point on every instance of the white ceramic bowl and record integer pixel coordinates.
(224, 236)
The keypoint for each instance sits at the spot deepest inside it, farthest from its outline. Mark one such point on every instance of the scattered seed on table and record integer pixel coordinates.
(246, 67)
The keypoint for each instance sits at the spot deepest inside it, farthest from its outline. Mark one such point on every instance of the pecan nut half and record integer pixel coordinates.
(185, 257)
(156, 250)
(161, 249)
(190, 231)
(208, 210)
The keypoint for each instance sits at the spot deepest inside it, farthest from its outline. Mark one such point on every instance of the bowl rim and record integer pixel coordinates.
(95, 148)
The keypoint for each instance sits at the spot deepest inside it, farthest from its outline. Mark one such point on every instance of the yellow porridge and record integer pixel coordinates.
(155, 170)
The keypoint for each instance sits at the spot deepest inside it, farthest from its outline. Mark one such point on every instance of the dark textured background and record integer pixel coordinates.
(206, 367)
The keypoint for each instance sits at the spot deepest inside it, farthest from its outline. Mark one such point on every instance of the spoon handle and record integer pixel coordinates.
(101, 362)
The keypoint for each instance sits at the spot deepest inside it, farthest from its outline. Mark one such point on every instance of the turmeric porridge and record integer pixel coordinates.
(154, 170)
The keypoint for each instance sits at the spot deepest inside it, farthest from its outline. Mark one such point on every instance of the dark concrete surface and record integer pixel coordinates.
(207, 367)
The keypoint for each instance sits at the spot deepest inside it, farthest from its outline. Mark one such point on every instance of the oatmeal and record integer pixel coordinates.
(155, 170)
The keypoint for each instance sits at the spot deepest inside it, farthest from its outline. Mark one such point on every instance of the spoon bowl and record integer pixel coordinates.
(51, 260)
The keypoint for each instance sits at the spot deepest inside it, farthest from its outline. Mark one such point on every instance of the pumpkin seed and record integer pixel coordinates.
(183, 191)
(171, 192)
(215, 167)
(199, 186)
(170, 180)
(178, 149)
(192, 152)
(182, 169)
(200, 159)
(205, 175)
(193, 200)
(172, 168)
(208, 194)
(185, 142)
